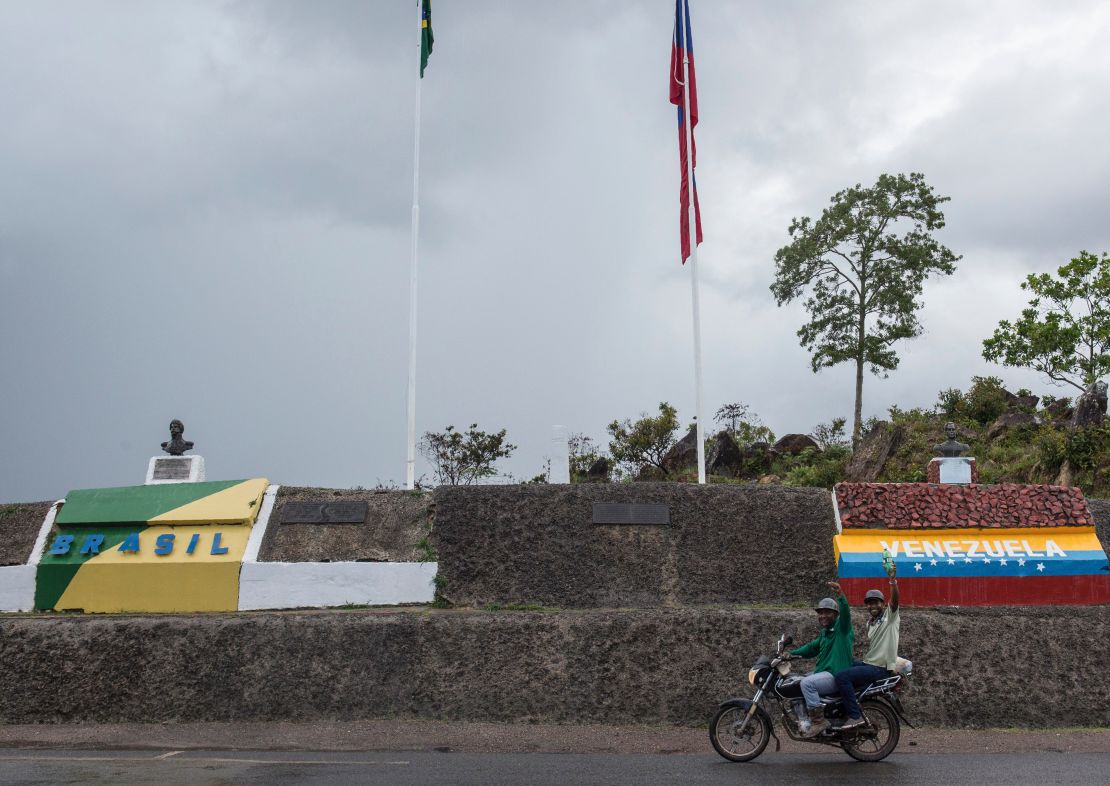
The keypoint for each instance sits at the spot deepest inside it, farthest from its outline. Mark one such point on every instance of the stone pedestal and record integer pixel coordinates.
(959, 470)
(175, 469)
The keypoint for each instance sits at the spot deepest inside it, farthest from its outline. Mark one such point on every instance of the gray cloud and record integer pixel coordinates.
(204, 213)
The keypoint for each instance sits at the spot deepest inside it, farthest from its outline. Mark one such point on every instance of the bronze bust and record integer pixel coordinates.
(177, 446)
(950, 447)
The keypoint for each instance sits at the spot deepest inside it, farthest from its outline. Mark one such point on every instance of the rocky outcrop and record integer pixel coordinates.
(1009, 421)
(723, 456)
(1090, 409)
(876, 447)
(684, 454)
(793, 444)
(599, 471)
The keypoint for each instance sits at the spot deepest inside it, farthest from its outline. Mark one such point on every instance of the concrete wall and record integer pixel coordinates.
(298, 585)
(725, 544)
(974, 667)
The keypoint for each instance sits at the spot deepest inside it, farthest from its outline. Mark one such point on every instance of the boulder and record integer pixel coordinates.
(874, 449)
(599, 471)
(793, 444)
(757, 457)
(1028, 403)
(1090, 409)
(1011, 420)
(684, 454)
(723, 456)
(1060, 410)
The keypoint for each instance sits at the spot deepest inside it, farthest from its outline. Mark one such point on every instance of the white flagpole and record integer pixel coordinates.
(693, 234)
(410, 465)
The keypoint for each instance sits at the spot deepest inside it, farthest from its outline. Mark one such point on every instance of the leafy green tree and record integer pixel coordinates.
(831, 434)
(461, 458)
(743, 424)
(646, 441)
(862, 278)
(1065, 332)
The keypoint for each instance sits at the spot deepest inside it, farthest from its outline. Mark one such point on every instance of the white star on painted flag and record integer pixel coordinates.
(951, 562)
(967, 560)
(1021, 561)
(1003, 562)
(986, 561)
(933, 562)
(917, 566)
(1040, 566)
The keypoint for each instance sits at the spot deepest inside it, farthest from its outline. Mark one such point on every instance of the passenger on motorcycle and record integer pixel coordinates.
(882, 651)
(833, 650)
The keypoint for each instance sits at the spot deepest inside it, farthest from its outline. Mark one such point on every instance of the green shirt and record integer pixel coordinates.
(833, 647)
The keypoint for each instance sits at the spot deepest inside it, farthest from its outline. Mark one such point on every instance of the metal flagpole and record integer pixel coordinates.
(693, 234)
(410, 465)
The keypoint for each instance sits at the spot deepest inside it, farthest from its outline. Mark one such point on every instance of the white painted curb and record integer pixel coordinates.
(258, 531)
(298, 585)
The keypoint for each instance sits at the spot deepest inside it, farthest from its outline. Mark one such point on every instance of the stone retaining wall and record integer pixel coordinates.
(925, 505)
(725, 544)
(395, 523)
(974, 667)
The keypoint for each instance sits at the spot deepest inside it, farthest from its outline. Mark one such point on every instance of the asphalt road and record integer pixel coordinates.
(30, 766)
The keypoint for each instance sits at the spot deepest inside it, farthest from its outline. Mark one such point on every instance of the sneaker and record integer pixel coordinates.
(852, 723)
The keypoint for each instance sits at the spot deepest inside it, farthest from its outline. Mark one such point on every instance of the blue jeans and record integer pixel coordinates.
(859, 674)
(815, 684)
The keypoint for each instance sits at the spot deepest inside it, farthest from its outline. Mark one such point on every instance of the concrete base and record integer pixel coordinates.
(17, 588)
(297, 585)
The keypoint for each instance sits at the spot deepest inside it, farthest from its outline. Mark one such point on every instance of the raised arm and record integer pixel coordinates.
(893, 588)
(844, 617)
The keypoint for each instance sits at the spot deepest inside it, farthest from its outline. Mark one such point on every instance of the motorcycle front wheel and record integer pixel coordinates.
(734, 743)
(879, 738)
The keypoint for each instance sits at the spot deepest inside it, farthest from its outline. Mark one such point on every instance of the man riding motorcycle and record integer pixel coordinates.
(833, 650)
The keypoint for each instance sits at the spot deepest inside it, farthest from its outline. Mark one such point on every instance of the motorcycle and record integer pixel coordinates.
(741, 728)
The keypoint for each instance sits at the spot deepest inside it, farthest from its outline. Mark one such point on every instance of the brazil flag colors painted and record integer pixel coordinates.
(161, 548)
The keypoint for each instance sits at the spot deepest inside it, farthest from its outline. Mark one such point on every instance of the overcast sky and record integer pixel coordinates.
(204, 214)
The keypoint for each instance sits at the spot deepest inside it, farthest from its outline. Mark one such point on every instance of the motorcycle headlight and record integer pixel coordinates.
(751, 676)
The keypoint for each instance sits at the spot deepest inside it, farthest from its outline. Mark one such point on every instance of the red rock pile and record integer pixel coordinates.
(928, 505)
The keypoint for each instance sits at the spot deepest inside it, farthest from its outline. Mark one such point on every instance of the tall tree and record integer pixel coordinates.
(1065, 331)
(862, 279)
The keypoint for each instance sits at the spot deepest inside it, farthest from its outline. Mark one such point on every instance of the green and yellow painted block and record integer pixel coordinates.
(163, 548)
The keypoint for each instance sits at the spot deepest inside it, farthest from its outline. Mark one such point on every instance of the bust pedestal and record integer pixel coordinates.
(952, 469)
(174, 469)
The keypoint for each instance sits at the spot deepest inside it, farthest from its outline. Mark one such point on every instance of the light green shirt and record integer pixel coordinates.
(882, 639)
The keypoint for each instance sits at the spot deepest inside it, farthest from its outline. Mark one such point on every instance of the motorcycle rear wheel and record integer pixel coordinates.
(882, 733)
(736, 745)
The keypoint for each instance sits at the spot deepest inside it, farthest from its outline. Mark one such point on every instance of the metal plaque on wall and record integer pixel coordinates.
(631, 513)
(324, 512)
(172, 468)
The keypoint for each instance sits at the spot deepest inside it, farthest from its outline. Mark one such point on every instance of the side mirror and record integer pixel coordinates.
(787, 640)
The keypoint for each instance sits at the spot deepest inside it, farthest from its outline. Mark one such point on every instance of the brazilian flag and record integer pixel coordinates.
(426, 37)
